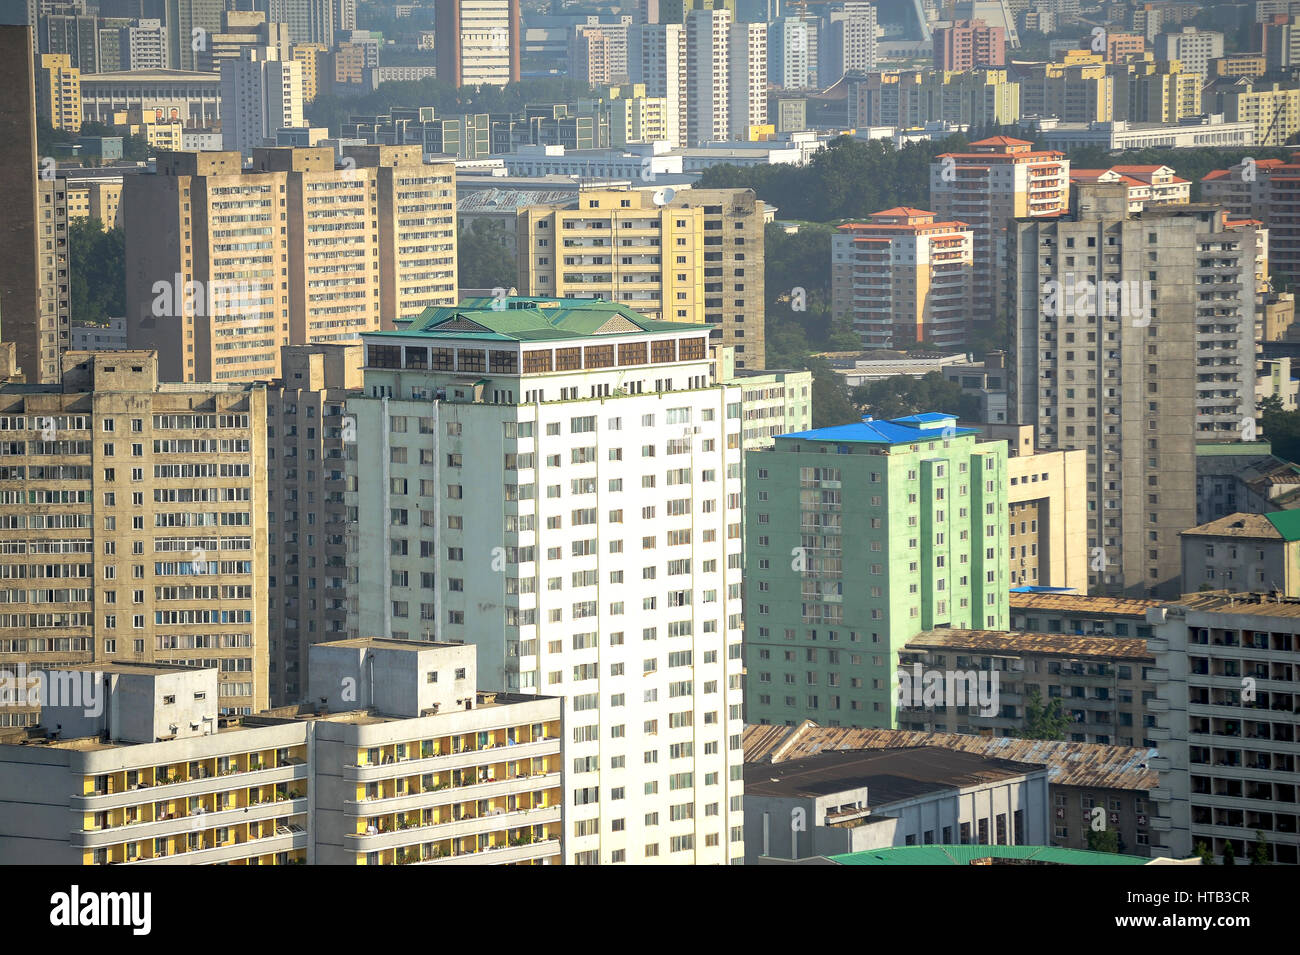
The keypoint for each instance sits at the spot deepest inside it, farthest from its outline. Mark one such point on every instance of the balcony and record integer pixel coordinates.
(285, 840)
(452, 794)
(502, 855)
(182, 824)
(461, 760)
(454, 829)
(192, 787)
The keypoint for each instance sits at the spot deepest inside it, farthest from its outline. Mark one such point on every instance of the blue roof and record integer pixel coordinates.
(1043, 590)
(909, 430)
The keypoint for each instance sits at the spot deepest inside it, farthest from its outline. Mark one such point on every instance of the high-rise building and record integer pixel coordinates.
(708, 74)
(436, 782)
(260, 95)
(309, 21)
(969, 45)
(54, 318)
(1151, 91)
(121, 522)
(23, 249)
(836, 583)
(697, 257)
(1267, 190)
(1133, 338)
(1192, 47)
(77, 36)
(417, 228)
(792, 53)
(656, 57)
(747, 82)
(847, 43)
(306, 477)
(143, 46)
(342, 263)
(598, 52)
(586, 584)
(917, 97)
(1274, 108)
(478, 41)
(996, 181)
(903, 277)
(189, 25)
(244, 31)
(1077, 90)
(58, 91)
(316, 76)
(1225, 679)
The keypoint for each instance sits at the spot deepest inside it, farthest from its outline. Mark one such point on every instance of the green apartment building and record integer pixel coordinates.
(858, 537)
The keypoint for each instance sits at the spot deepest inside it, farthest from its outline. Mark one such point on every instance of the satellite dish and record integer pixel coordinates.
(664, 196)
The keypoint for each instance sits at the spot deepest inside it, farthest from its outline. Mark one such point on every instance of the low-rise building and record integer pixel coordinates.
(1080, 615)
(1244, 552)
(1103, 683)
(1081, 777)
(404, 762)
(1121, 135)
(854, 800)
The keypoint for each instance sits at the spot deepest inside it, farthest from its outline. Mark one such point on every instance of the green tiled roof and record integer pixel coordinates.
(536, 320)
(965, 855)
(1287, 524)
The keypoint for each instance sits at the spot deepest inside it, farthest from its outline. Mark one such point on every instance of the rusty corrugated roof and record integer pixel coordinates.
(1081, 604)
(1016, 641)
(1094, 765)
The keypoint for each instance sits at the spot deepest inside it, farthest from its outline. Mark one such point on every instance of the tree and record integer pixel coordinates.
(485, 256)
(830, 398)
(904, 395)
(1281, 428)
(1229, 853)
(1205, 852)
(97, 272)
(1107, 840)
(1044, 722)
(1259, 854)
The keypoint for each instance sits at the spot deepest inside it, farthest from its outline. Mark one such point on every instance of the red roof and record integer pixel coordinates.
(903, 211)
(1002, 141)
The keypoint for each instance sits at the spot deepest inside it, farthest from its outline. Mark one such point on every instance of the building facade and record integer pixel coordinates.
(837, 584)
(628, 607)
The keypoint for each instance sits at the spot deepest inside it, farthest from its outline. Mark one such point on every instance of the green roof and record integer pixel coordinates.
(520, 319)
(1287, 524)
(965, 855)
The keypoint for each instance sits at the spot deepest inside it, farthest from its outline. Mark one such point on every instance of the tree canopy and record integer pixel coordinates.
(96, 272)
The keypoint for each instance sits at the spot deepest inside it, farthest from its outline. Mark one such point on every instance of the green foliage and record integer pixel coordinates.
(1229, 853)
(1259, 851)
(903, 395)
(1044, 722)
(1205, 852)
(97, 272)
(333, 111)
(848, 180)
(485, 256)
(830, 398)
(134, 148)
(1280, 428)
(1107, 840)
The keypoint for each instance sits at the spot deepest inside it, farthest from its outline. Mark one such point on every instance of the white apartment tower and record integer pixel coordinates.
(708, 88)
(558, 483)
(259, 96)
(656, 56)
(792, 53)
(747, 83)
